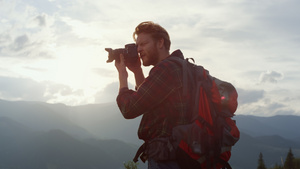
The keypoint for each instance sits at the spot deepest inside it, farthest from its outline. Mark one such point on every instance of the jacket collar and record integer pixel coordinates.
(177, 53)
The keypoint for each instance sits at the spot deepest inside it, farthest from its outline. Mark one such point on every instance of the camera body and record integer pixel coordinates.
(130, 53)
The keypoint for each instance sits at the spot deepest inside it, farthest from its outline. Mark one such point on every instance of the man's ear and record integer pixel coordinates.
(161, 43)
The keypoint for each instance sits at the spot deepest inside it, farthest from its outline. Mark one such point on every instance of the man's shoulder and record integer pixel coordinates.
(177, 54)
(171, 63)
(173, 59)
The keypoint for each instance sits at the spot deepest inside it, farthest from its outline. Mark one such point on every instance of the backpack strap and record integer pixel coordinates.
(184, 64)
(225, 164)
(140, 153)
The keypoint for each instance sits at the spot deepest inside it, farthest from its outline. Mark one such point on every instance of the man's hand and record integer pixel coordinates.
(136, 68)
(123, 74)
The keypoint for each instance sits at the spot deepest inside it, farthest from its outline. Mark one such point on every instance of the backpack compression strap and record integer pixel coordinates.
(139, 153)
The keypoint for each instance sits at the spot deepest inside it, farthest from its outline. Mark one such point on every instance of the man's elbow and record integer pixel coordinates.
(128, 116)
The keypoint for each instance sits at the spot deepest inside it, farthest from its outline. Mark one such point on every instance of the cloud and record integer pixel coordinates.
(35, 69)
(61, 89)
(249, 96)
(227, 37)
(21, 89)
(25, 46)
(105, 72)
(269, 109)
(270, 77)
(12, 88)
(268, 103)
(4, 39)
(41, 20)
(25, 32)
(109, 93)
(20, 43)
(281, 16)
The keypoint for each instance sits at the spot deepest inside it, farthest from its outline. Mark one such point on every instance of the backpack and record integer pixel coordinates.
(207, 141)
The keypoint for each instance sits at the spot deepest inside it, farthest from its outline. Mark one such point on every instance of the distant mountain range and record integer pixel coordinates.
(40, 135)
(286, 126)
(22, 148)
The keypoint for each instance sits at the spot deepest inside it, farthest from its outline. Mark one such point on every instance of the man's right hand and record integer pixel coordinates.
(134, 66)
(123, 74)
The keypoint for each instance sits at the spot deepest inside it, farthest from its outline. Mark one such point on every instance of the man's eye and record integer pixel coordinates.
(144, 43)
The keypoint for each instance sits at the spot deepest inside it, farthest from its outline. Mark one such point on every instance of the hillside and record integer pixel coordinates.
(41, 135)
(284, 125)
(274, 148)
(21, 148)
(42, 116)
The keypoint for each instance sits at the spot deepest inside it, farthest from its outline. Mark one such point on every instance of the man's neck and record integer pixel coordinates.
(163, 55)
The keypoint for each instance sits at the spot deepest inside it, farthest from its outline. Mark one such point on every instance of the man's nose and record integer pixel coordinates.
(138, 49)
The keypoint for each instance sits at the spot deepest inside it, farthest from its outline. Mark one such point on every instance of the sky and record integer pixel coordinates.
(53, 50)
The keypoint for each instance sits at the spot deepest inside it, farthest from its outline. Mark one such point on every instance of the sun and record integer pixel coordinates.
(75, 68)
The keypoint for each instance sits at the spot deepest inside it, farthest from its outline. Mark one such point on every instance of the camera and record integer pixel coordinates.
(130, 53)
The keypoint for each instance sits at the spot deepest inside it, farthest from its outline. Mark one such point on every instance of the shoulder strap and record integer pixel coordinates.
(193, 74)
(183, 63)
(188, 73)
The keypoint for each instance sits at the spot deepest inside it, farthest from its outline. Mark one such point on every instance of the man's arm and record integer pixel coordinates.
(137, 71)
(139, 77)
(123, 74)
(160, 83)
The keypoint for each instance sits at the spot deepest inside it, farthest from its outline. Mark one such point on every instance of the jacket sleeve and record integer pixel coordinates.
(161, 82)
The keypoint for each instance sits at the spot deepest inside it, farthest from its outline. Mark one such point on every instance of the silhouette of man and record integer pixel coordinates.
(158, 97)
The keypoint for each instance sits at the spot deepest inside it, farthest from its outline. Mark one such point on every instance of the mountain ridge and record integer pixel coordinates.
(283, 125)
(57, 149)
(109, 134)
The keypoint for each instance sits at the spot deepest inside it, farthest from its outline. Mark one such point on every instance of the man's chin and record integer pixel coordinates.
(145, 63)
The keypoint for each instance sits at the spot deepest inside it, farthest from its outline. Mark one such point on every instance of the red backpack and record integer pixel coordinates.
(206, 142)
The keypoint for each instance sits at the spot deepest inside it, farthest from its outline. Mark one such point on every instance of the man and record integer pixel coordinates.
(158, 98)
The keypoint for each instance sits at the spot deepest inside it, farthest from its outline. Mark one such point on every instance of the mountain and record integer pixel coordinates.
(106, 121)
(21, 148)
(272, 136)
(274, 149)
(283, 125)
(41, 135)
(42, 116)
(95, 120)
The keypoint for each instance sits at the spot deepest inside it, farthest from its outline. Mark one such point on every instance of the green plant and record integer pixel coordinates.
(131, 165)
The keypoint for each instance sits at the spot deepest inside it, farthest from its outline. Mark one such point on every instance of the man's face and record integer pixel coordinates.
(147, 49)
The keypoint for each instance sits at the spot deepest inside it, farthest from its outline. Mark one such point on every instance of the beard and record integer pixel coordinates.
(151, 57)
